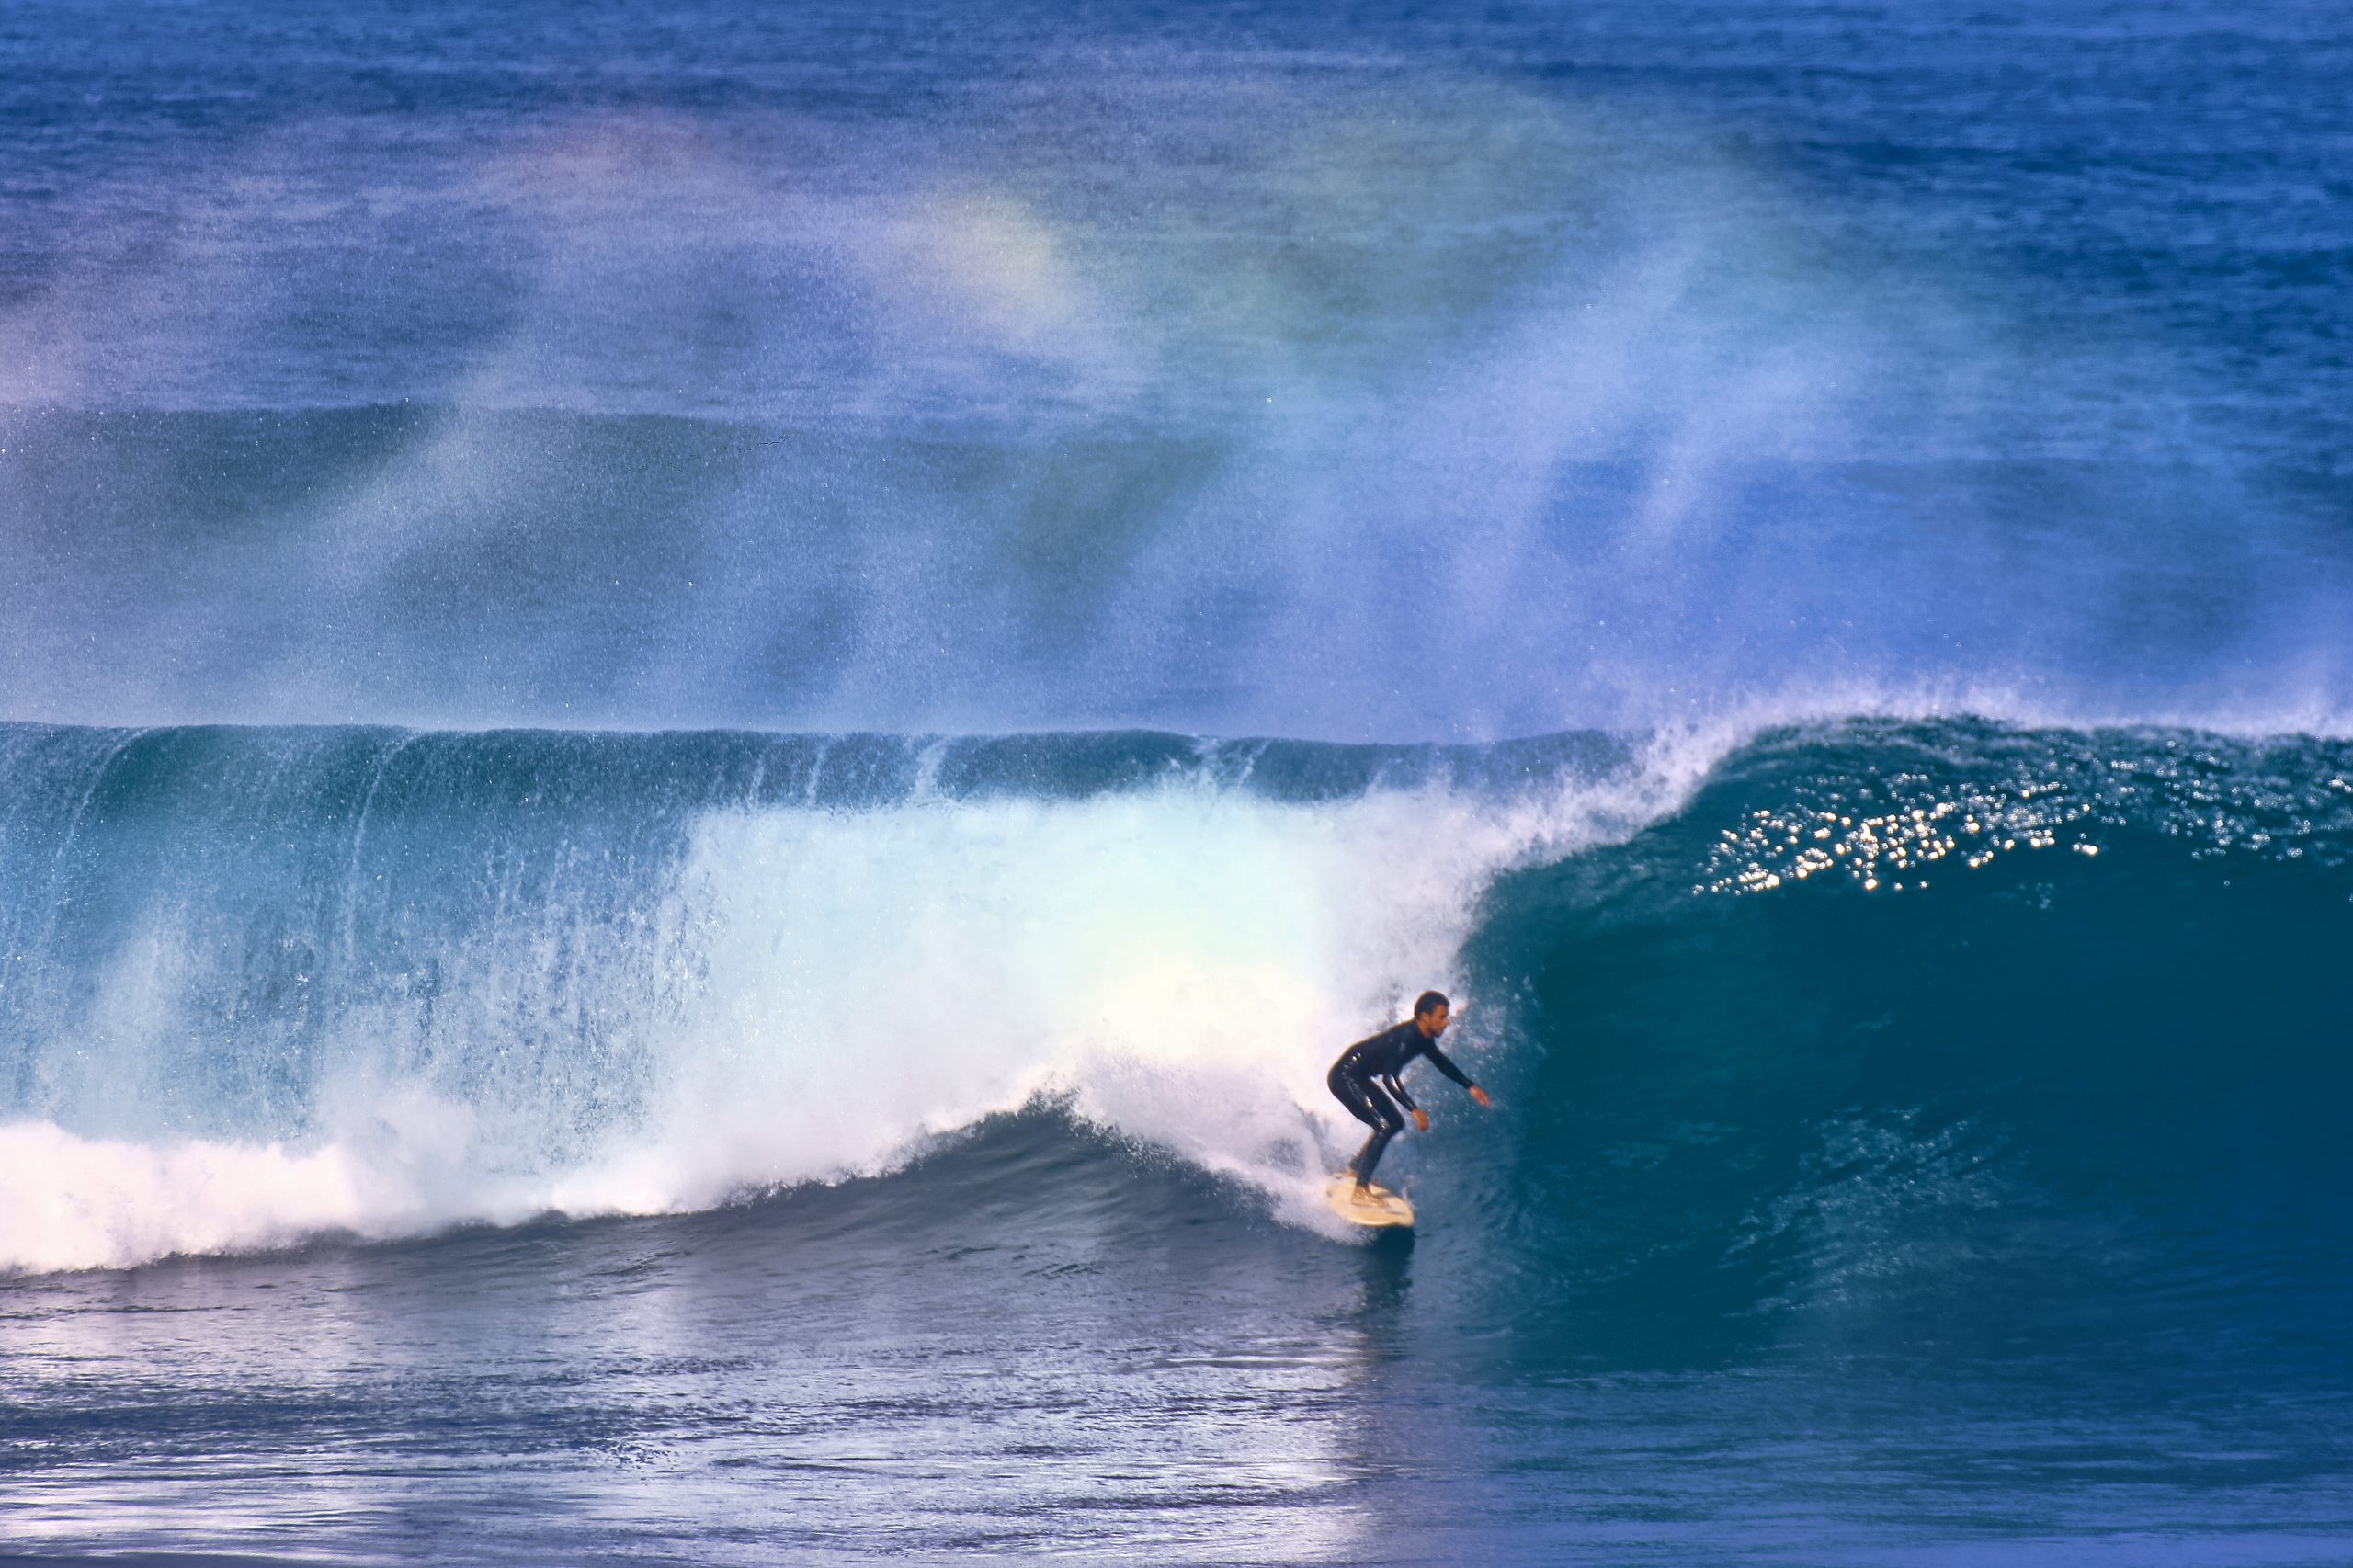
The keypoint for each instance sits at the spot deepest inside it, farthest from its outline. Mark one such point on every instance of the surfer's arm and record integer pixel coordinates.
(1446, 1066)
(1396, 1083)
(1439, 1059)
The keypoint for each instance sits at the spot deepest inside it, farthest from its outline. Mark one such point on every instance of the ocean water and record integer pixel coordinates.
(709, 718)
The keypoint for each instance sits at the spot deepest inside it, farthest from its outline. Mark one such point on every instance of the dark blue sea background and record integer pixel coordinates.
(710, 714)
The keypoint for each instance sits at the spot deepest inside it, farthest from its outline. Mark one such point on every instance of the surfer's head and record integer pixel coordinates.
(1432, 1012)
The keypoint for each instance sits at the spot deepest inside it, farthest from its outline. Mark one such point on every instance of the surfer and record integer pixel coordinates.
(1370, 1067)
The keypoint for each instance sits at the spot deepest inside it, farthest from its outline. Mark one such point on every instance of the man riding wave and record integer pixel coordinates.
(1366, 1080)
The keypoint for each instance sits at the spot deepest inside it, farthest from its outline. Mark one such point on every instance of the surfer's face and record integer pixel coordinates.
(1433, 1022)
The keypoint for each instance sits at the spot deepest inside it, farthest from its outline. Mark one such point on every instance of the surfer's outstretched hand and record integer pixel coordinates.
(1480, 1095)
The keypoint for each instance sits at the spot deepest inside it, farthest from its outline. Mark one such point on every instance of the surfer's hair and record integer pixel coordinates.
(1430, 1002)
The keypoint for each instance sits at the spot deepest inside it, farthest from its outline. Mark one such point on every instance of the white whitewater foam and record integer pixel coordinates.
(1177, 965)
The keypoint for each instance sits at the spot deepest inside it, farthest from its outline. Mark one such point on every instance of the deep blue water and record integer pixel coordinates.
(709, 716)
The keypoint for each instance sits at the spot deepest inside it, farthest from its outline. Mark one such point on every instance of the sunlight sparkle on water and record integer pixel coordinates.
(1773, 848)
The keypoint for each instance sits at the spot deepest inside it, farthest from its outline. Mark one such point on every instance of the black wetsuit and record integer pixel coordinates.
(1371, 1066)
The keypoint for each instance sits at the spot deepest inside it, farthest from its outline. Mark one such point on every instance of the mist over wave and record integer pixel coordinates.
(1214, 389)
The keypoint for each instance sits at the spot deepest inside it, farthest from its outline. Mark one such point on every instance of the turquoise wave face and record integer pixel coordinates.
(1906, 1031)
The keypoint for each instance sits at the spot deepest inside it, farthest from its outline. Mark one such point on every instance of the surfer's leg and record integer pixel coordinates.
(1355, 1094)
(1370, 1106)
(1374, 1147)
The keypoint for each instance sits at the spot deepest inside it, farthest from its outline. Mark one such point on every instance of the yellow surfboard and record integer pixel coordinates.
(1377, 1207)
